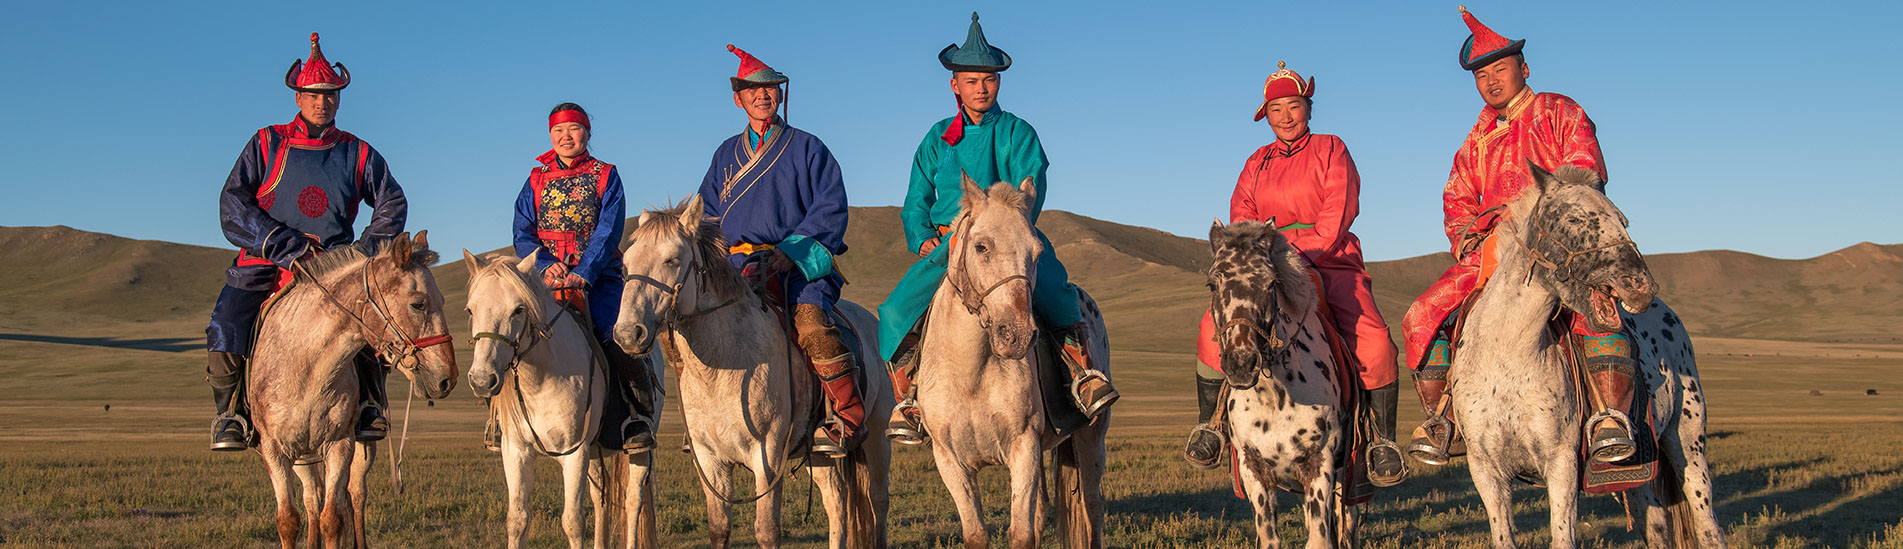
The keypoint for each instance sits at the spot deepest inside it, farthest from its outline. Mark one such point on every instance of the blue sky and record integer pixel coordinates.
(1756, 126)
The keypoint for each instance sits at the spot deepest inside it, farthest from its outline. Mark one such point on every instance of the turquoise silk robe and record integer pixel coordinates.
(1000, 148)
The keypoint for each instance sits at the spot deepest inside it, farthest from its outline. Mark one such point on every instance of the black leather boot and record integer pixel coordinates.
(1386, 465)
(635, 388)
(371, 425)
(230, 432)
(1206, 444)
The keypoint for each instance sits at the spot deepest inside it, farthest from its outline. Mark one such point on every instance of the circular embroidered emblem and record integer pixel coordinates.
(265, 202)
(312, 201)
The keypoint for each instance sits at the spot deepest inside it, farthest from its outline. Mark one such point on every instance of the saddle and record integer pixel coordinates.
(1594, 477)
(772, 292)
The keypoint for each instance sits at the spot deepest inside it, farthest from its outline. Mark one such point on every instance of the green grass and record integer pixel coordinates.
(1793, 470)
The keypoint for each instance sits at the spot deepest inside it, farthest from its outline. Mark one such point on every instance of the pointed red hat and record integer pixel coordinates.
(753, 73)
(316, 75)
(1283, 83)
(1484, 46)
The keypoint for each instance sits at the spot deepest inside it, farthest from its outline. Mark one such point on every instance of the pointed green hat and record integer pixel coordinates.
(976, 55)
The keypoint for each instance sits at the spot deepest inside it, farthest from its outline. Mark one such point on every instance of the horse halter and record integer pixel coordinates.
(402, 351)
(1278, 348)
(536, 332)
(1562, 268)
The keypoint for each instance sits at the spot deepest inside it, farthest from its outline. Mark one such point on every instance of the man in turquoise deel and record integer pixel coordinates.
(990, 145)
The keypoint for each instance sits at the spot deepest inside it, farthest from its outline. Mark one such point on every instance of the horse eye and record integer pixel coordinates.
(418, 306)
(517, 312)
(672, 262)
(980, 247)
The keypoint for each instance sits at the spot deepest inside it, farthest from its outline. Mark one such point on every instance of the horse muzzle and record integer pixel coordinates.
(1240, 369)
(484, 385)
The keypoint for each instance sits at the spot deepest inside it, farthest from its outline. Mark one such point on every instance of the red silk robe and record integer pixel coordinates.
(1490, 171)
(1314, 182)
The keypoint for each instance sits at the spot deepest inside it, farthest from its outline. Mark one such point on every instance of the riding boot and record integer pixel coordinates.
(1386, 465)
(1611, 366)
(1436, 440)
(1206, 443)
(635, 390)
(908, 425)
(1090, 389)
(371, 375)
(491, 429)
(230, 432)
(835, 368)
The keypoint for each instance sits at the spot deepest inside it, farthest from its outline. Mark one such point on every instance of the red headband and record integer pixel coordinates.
(577, 117)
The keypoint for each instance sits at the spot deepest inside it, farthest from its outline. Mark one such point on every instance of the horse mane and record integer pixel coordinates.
(527, 288)
(1291, 270)
(353, 255)
(723, 279)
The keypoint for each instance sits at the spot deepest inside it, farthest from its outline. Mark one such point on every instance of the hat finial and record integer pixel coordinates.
(974, 17)
(313, 39)
(730, 47)
(1463, 8)
(1281, 64)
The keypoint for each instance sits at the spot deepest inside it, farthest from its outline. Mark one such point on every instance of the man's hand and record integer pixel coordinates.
(556, 275)
(1468, 244)
(926, 248)
(779, 262)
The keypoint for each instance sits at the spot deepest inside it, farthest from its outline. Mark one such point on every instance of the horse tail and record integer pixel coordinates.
(1078, 502)
(1678, 509)
(861, 517)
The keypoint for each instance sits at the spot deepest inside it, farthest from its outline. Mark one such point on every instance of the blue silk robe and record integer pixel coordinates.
(787, 193)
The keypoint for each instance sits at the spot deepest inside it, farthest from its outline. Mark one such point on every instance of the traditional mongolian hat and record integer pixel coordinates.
(316, 75)
(753, 73)
(1283, 83)
(976, 55)
(1484, 46)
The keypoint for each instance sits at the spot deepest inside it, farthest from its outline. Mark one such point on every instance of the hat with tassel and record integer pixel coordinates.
(317, 75)
(1484, 46)
(1283, 83)
(753, 72)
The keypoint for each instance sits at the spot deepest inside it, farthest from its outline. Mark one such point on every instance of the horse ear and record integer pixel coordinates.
(472, 262)
(692, 214)
(527, 264)
(643, 220)
(422, 239)
(1029, 190)
(1541, 176)
(1215, 234)
(972, 193)
(400, 249)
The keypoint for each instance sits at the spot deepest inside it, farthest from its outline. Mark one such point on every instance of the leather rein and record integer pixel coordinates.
(961, 283)
(695, 268)
(537, 333)
(1278, 346)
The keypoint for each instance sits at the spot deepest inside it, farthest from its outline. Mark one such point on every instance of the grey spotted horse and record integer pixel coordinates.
(1283, 404)
(1565, 244)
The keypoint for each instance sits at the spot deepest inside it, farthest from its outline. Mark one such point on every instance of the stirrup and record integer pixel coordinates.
(492, 435)
(641, 442)
(909, 432)
(1096, 406)
(244, 433)
(1615, 448)
(825, 444)
(1222, 442)
(1377, 445)
(1429, 451)
(378, 428)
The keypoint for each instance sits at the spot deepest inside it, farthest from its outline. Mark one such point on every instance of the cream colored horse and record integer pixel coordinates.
(303, 386)
(747, 395)
(978, 378)
(534, 361)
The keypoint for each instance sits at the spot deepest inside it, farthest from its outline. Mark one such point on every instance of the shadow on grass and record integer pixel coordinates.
(160, 344)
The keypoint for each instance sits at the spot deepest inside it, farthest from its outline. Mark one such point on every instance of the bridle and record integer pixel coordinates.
(674, 316)
(961, 283)
(402, 350)
(536, 331)
(1278, 348)
(1561, 269)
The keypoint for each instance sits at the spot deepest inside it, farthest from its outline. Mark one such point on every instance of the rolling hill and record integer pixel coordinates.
(58, 279)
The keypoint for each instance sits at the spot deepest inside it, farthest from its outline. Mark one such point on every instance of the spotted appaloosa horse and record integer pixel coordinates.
(1563, 243)
(303, 381)
(978, 386)
(1283, 404)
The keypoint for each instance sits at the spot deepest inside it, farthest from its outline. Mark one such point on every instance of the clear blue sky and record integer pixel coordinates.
(1756, 126)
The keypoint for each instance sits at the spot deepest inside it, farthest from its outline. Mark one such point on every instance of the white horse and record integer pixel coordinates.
(1283, 404)
(559, 386)
(978, 378)
(1563, 243)
(747, 396)
(304, 384)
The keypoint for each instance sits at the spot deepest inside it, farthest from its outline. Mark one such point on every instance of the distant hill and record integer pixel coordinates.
(1149, 282)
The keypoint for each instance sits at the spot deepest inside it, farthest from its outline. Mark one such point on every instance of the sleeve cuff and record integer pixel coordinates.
(814, 260)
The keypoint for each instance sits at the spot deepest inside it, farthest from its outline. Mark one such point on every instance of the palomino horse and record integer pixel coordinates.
(747, 396)
(1284, 405)
(303, 380)
(559, 387)
(978, 378)
(1563, 243)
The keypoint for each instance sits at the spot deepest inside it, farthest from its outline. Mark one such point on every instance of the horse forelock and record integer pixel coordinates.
(707, 238)
(1245, 250)
(1004, 194)
(522, 287)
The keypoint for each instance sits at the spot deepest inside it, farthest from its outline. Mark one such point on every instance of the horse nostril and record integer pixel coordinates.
(443, 386)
